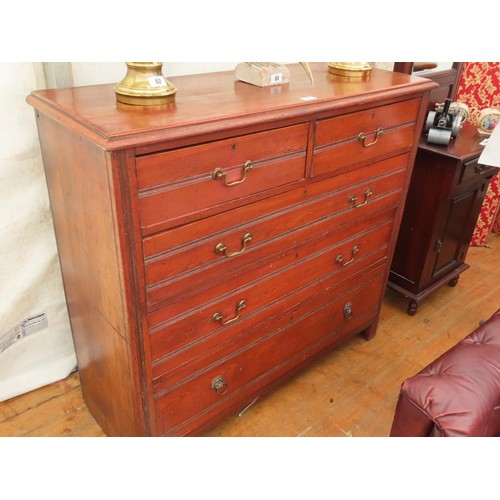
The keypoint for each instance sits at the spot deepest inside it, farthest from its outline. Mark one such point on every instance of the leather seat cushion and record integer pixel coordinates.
(460, 390)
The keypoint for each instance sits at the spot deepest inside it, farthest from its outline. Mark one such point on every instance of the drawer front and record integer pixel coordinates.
(184, 291)
(257, 365)
(194, 318)
(175, 184)
(471, 172)
(345, 141)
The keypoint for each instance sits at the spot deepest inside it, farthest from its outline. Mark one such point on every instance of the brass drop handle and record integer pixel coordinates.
(221, 249)
(219, 385)
(340, 259)
(480, 169)
(218, 315)
(353, 199)
(362, 137)
(218, 173)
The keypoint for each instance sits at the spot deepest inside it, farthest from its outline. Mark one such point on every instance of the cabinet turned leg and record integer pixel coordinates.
(412, 308)
(453, 282)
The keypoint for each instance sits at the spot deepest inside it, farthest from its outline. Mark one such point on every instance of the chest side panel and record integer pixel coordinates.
(81, 189)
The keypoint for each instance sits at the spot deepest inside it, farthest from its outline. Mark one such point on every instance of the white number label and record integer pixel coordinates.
(157, 81)
(276, 77)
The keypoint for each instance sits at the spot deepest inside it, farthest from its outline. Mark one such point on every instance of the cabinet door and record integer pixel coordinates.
(458, 217)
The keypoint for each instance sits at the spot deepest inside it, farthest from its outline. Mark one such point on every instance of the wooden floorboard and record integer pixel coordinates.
(350, 392)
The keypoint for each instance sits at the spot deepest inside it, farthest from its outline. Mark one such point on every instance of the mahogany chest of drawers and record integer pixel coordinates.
(211, 247)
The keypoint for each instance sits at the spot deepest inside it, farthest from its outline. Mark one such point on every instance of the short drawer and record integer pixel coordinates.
(245, 302)
(348, 140)
(471, 171)
(255, 366)
(175, 184)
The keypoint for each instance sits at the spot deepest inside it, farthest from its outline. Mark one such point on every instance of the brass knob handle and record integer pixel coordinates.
(219, 385)
(362, 137)
(353, 199)
(221, 249)
(348, 311)
(218, 173)
(340, 259)
(219, 318)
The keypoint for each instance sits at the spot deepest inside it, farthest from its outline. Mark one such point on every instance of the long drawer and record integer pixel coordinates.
(256, 365)
(346, 141)
(172, 185)
(207, 283)
(171, 332)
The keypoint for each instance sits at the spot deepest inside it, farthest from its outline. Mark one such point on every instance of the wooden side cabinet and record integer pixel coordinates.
(446, 192)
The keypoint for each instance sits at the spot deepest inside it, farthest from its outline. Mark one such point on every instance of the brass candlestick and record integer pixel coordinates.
(145, 85)
(351, 69)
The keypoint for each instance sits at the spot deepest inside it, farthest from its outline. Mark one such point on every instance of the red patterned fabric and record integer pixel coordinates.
(479, 88)
(496, 225)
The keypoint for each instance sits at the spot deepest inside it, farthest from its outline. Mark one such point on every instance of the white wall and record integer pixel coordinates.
(91, 73)
(40, 351)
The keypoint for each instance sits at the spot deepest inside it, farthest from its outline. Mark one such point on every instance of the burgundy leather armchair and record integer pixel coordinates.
(458, 394)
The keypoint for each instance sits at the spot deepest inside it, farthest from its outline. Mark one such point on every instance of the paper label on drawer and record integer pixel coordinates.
(157, 81)
(27, 327)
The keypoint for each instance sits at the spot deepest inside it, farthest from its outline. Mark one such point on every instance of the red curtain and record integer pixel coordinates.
(479, 88)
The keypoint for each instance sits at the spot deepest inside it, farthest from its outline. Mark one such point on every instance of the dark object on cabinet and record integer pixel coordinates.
(445, 196)
(458, 394)
(447, 79)
(212, 247)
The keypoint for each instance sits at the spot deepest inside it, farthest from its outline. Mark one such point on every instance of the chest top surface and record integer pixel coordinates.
(209, 102)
